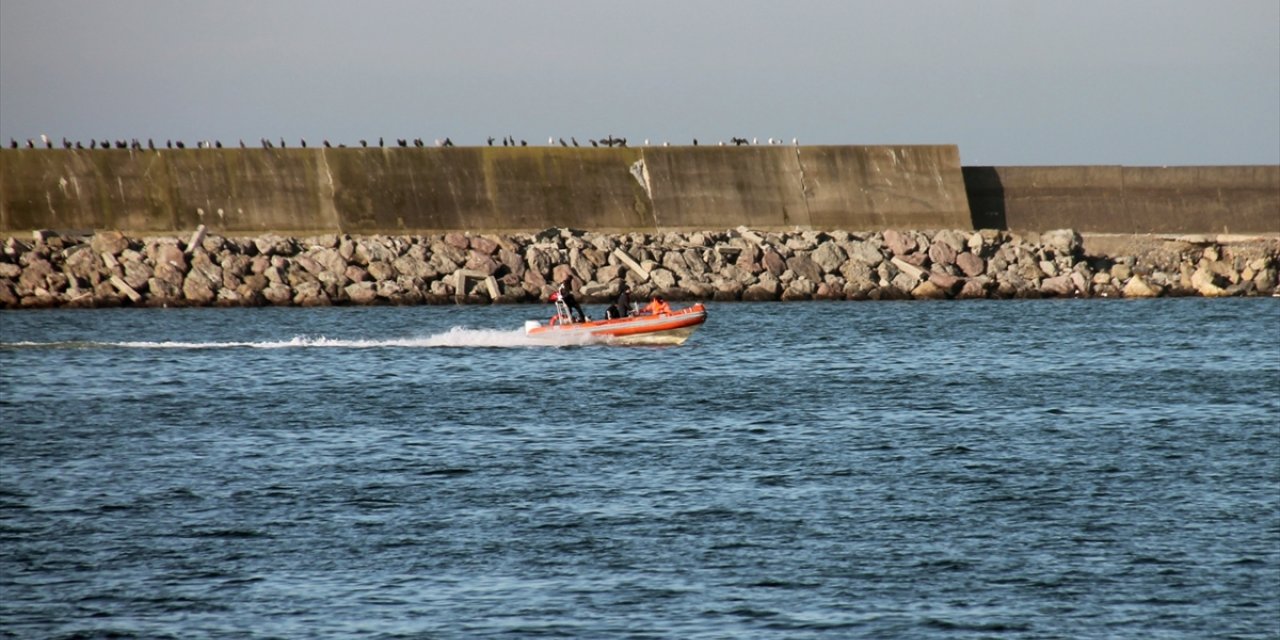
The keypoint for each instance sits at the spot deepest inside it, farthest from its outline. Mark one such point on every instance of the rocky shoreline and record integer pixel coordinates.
(109, 268)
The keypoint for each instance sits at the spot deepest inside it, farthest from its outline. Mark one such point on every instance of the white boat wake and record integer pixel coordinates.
(455, 337)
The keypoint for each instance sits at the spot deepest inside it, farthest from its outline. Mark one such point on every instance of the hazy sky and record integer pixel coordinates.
(1139, 82)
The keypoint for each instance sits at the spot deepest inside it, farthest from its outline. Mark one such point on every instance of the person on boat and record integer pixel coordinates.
(566, 294)
(624, 301)
(657, 306)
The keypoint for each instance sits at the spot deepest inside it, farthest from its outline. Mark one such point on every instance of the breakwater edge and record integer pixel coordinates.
(110, 268)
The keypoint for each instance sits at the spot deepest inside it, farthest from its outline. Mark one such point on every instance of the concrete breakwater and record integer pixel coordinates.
(403, 191)
(112, 269)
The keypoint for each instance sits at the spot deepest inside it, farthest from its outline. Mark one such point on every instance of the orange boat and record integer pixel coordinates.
(671, 327)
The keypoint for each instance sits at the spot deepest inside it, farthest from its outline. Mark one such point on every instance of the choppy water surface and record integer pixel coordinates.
(1012, 469)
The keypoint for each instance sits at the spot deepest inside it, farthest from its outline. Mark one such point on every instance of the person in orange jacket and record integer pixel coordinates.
(657, 305)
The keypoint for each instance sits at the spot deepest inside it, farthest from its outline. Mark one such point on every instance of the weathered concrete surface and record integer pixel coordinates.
(885, 187)
(395, 190)
(1127, 200)
(171, 190)
(414, 190)
(709, 187)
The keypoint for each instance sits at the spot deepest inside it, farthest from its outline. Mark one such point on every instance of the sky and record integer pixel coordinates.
(1010, 82)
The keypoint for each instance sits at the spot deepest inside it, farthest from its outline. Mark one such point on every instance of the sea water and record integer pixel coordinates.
(1005, 469)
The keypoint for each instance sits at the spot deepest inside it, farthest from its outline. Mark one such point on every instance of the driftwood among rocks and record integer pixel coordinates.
(205, 269)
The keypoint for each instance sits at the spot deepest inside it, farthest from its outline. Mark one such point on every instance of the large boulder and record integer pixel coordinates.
(278, 294)
(942, 254)
(112, 242)
(137, 273)
(414, 267)
(35, 276)
(362, 292)
(970, 264)
(168, 253)
(804, 266)
(199, 289)
(329, 260)
(766, 289)
(975, 288)
(311, 294)
(1058, 286)
(1208, 283)
(955, 240)
(828, 257)
(866, 252)
(81, 262)
(773, 263)
(900, 244)
(927, 290)
(945, 281)
(380, 271)
(1138, 287)
(1063, 241)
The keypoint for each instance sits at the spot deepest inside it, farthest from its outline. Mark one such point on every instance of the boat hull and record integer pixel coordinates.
(672, 328)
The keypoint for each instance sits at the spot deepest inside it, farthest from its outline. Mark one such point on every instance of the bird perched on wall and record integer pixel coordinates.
(326, 144)
(380, 141)
(217, 143)
(179, 144)
(364, 143)
(563, 143)
(13, 144)
(575, 140)
(151, 144)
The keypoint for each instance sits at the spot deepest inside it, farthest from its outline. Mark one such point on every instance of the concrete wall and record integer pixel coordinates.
(410, 190)
(1119, 199)
(414, 190)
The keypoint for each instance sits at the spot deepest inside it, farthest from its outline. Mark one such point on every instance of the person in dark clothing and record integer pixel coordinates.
(624, 301)
(566, 294)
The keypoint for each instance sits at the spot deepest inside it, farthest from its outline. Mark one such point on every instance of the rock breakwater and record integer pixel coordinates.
(112, 269)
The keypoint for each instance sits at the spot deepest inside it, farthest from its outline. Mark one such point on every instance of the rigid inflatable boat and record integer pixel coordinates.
(670, 327)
